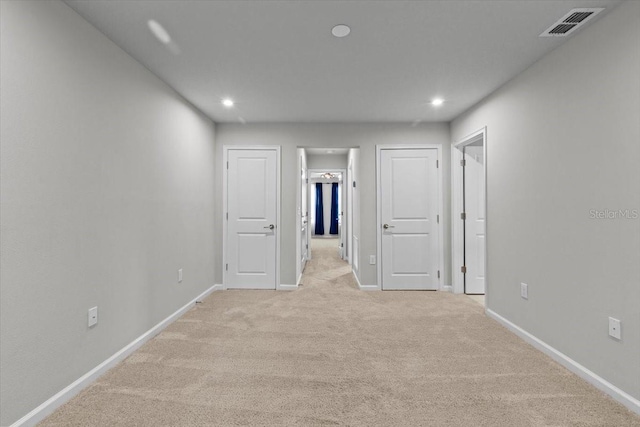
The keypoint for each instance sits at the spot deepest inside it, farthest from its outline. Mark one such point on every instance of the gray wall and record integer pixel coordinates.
(327, 161)
(328, 135)
(564, 139)
(106, 188)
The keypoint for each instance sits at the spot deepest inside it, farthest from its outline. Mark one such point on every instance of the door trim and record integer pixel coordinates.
(439, 196)
(344, 203)
(225, 159)
(457, 234)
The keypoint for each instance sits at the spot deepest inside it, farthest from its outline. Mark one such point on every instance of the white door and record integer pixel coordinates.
(474, 224)
(251, 226)
(409, 209)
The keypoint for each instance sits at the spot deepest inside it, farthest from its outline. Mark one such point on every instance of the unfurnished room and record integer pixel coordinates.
(359, 213)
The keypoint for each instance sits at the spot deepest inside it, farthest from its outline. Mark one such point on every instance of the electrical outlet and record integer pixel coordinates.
(614, 328)
(372, 259)
(93, 316)
(180, 276)
(524, 290)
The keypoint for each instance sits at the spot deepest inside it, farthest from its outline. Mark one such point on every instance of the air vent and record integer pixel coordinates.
(571, 22)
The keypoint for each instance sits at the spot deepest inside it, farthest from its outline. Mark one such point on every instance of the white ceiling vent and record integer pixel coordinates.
(571, 22)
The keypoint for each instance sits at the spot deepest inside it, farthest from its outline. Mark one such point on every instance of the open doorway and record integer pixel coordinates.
(469, 214)
(327, 205)
(326, 213)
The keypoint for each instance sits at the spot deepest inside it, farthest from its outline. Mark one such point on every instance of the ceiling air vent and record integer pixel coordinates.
(570, 22)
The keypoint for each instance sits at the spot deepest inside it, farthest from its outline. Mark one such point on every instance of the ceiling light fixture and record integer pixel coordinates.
(329, 151)
(159, 31)
(328, 175)
(227, 102)
(340, 30)
(437, 102)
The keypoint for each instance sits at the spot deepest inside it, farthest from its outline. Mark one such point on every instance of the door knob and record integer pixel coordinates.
(270, 227)
(388, 226)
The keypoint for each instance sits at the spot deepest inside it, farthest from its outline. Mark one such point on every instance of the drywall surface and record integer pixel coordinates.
(366, 136)
(563, 161)
(328, 161)
(107, 190)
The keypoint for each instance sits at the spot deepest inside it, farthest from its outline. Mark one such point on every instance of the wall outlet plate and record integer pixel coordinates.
(614, 328)
(372, 259)
(179, 275)
(524, 290)
(93, 316)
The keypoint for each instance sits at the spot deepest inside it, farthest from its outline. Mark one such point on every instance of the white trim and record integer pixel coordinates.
(440, 197)
(225, 158)
(447, 288)
(364, 287)
(597, 381)
(457, 235)
(64, 395)
(282, 287)
(344, 205)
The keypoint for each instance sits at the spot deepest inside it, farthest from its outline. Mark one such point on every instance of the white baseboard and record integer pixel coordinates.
(600, 383)
(287, 287)
(217, 288)
(364, 287)
(64, 395)
(447, 288)
(299, 279)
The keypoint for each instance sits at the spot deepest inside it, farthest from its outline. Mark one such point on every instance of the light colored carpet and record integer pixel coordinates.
(329, 354)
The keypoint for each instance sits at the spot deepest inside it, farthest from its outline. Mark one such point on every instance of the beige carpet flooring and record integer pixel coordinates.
(329, 354)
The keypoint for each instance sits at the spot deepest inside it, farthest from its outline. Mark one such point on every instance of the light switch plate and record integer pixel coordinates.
(524, 290)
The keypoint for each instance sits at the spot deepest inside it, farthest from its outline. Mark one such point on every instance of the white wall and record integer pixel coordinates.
(563, 138)
(106, 188)
(328, 135)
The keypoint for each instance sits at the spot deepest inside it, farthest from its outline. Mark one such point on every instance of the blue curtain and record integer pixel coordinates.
(334, 209)
(319, 210)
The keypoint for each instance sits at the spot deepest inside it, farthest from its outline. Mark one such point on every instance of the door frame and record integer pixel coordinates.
(439, 197)
(225, 150)
(344, 205)
(457, 203)
(304, 207)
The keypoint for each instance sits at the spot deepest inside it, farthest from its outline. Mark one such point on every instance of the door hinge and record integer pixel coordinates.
(307, 180)
(307, 246)
(226, 267)
(437, 164)
(342, 245)
(438, 219)
(438, 274)
(463, 216)
(227, 165)
(463, 163)
(227, 216)
(463, 269)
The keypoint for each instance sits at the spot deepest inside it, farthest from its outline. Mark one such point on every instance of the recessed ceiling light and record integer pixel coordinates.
(227, 102)
(340, 30)
(437, 101)
(329, 151)
(159, 31)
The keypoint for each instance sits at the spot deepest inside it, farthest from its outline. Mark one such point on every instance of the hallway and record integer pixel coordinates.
(331, 354)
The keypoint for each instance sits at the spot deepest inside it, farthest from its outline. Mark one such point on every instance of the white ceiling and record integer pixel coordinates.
(280, 63)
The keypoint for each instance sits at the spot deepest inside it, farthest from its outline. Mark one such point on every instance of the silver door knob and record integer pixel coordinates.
(270, 227)
(388, 226)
